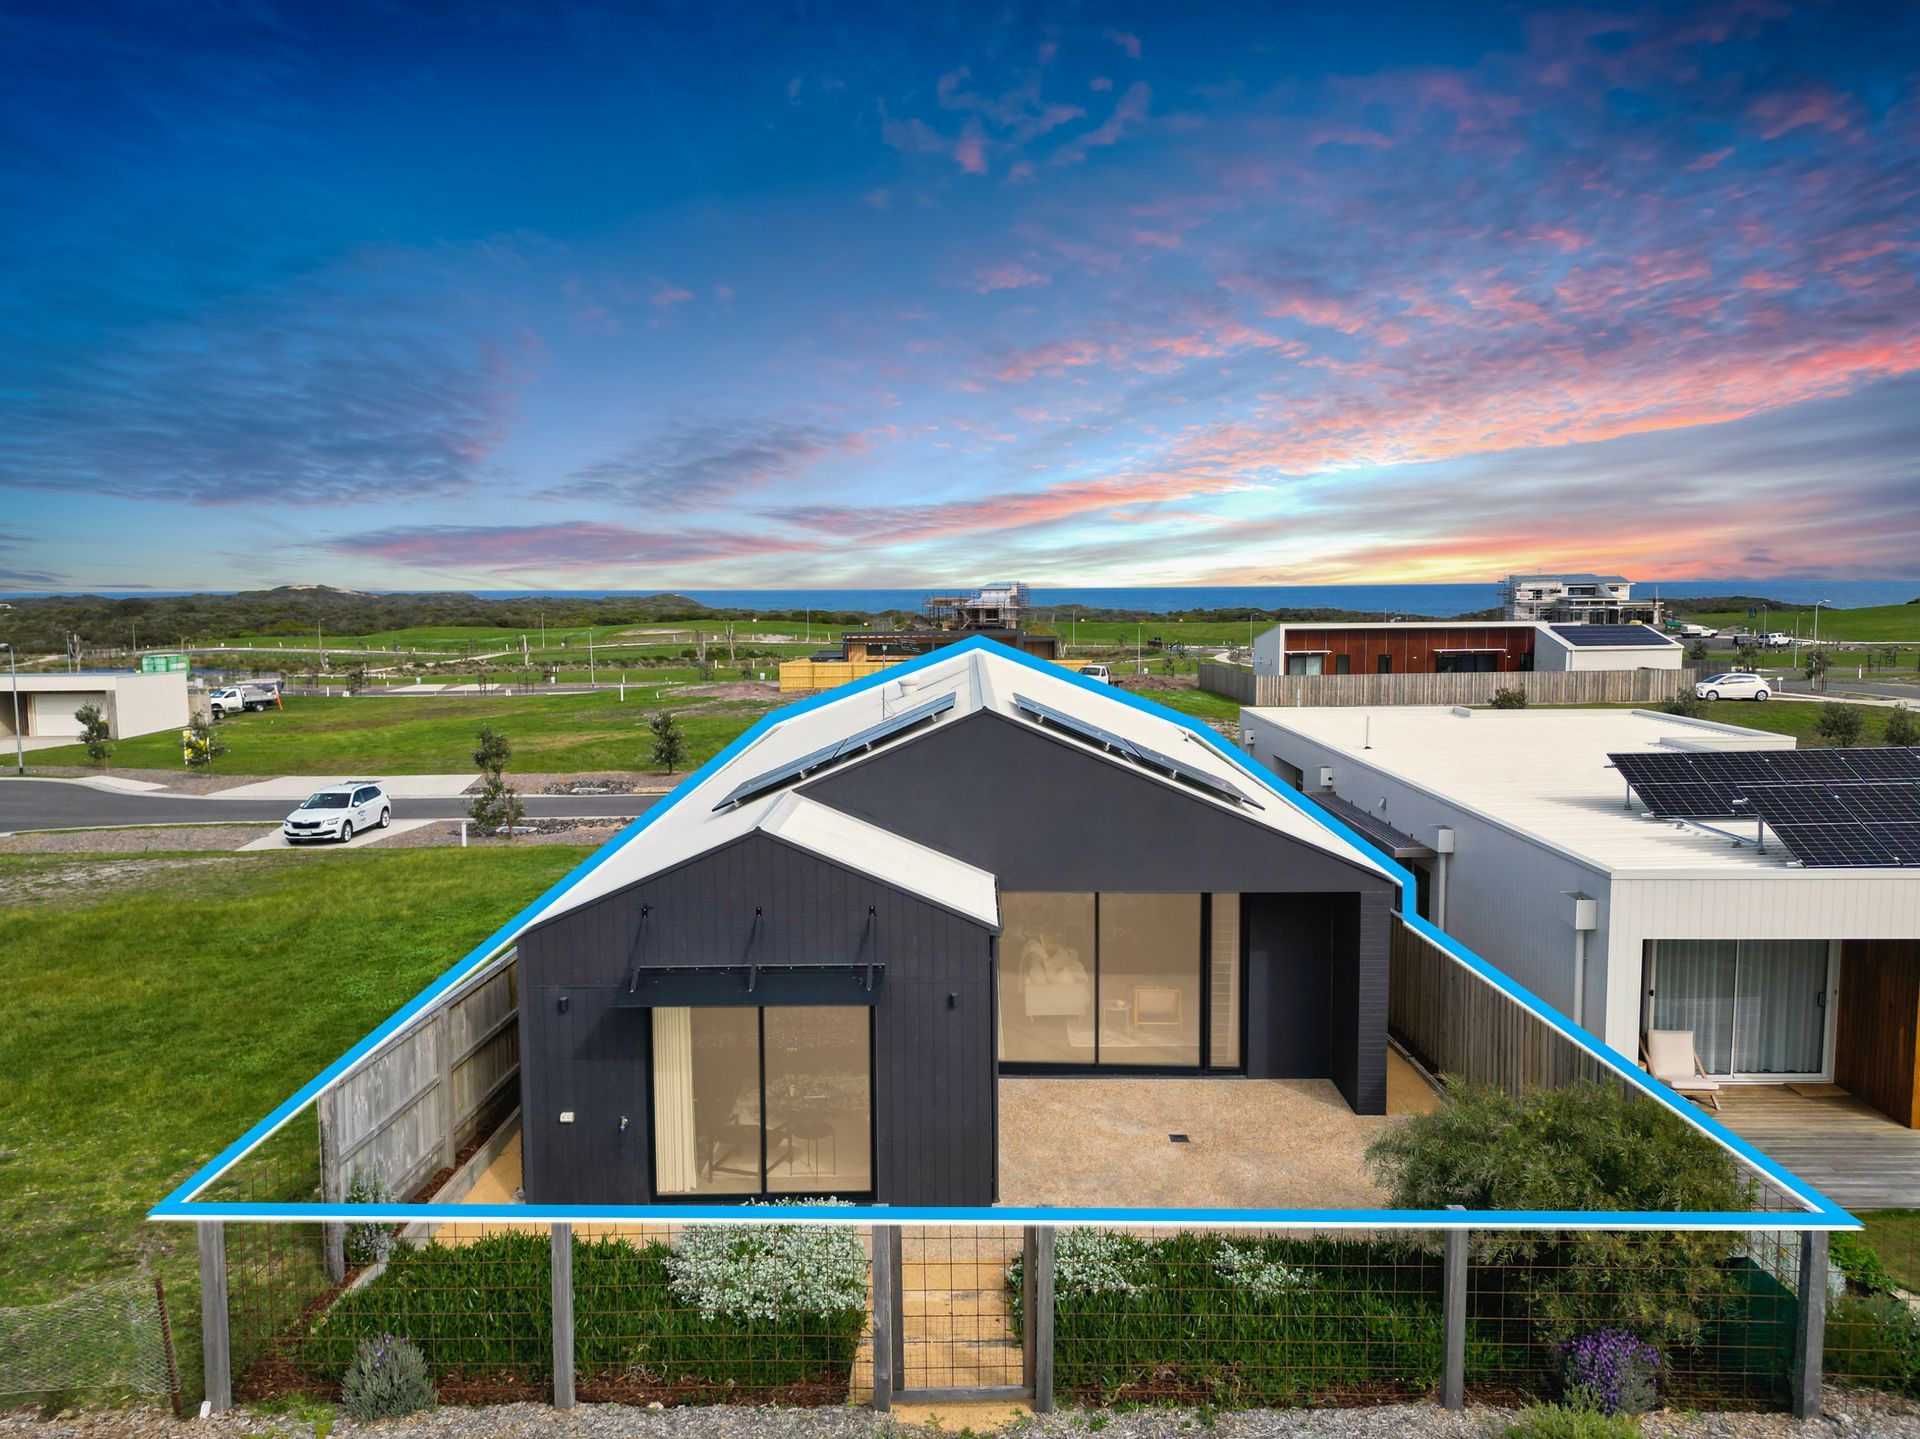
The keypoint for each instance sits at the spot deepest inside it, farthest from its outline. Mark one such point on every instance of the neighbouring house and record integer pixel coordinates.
(1460, 647)
(808, 972)
(1576, 599)
(1789, 946)
(995, 612)
(133, 704)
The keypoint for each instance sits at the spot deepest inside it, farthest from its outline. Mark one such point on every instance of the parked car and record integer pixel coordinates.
(337, 811)
(1777, 640)
(1697, 632)
(1097, 672)
(1735, 686)
(233, 700)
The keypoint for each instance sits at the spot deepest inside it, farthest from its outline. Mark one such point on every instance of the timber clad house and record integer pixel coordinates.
(1414, 647)
(807, 974)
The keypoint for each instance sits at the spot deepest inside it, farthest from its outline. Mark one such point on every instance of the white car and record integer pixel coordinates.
(338, 811)
(1735, 686)
(1097, 672)
(1778, 640)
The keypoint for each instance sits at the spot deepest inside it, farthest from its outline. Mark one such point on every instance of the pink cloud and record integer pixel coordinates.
(1129, 113)
(666, 295)
(970, 153)
(1100, 84)
(1009, 276)
(1128, 43)
(1778, 114)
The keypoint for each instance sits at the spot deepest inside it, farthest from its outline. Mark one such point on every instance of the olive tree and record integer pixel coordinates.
(94, 734)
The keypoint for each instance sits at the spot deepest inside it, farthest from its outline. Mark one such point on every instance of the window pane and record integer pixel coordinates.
(1150, 979)
(1223, 956)
(1780, 1020)
(1046, 978)
(819, 1101)
(706, 1101)
(1693, 989)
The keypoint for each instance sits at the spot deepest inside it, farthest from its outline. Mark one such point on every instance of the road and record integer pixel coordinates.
(29, 804)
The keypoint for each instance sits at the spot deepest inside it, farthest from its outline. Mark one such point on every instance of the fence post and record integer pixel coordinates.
(216, 1340)
(1810, 1332)
(1036, 1336)
(1453, 1371)
(449, 1143)
(563, 1316)
(885, 1281)
(333, 1184)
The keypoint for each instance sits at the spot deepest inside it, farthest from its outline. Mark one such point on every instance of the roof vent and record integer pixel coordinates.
(1463, 712)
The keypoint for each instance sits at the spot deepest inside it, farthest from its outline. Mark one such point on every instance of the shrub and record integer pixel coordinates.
(486, 1307)
(1582, 1147)
(768, 1271)
(1861, 1264)
(1875, 1339)
(1902, 727)
(1841, 725)
(1250, 1321)
(1609, 1370)
(1687, 705)
(386, 1379)
(368, 1243)
(1553, 1421)
(95, 734)
(1510, 699)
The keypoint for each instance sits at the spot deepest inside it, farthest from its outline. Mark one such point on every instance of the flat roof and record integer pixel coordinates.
(1543, 772)
(69, 679)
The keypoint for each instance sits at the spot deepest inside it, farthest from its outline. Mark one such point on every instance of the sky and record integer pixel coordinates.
(761, 295)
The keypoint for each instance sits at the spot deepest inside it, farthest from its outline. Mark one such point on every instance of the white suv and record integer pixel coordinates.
(337, 811)
(1737, 686)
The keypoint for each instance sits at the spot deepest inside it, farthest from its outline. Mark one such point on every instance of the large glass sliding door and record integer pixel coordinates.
(763, 1101)
(1757, 1008)
(1120, 981)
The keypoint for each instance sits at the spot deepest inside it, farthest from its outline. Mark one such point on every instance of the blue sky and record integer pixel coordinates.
(715, 295)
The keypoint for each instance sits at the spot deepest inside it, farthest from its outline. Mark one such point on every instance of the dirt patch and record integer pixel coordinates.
(734, 690)
(1158, 682)
(60, 881)
(546, 831)
(224, 837)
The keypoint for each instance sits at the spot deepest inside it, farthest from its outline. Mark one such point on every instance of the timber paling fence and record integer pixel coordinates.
(1543, 687)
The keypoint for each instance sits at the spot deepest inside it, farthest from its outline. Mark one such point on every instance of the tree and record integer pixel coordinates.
(1815, 666)
(94, 734)
(1746, 654)
(1841, 725)
(205, 744)
(1902, 727)
(669, 741)
(357, 676)
(1698, 655)
(497, 806)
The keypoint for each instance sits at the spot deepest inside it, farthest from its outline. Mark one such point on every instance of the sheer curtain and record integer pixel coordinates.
(1781, 1019)
(675, 1151)
(1693, 989)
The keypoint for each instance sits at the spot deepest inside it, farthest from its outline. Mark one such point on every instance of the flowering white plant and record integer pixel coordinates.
(769, 1271)
(1097, 1261)
(1247, 1269)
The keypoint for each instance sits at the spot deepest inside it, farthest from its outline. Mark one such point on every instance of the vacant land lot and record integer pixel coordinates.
(1875, 622)
(379, 734)
(158, 1007)
(1794, 717)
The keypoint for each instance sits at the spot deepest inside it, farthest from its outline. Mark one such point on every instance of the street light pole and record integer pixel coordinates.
(1816, 618)
(19, 745)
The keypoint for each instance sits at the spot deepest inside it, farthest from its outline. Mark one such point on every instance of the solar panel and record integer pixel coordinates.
(1133, 750)
(819, 759)
(1874, 823)
(1611, 635)
(1699, 783)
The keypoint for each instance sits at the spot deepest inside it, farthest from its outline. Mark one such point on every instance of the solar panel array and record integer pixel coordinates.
(1578, 635)
(1133, 750)
(1827, 806)
(819, 759)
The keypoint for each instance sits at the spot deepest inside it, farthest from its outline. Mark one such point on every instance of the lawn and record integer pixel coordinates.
(1873, 622)
(1895, 1233)
(432, 734)
(159, 1006)
(1793, 717)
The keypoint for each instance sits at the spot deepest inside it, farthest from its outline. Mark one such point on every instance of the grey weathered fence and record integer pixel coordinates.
(406, 1113)
(1546, 687)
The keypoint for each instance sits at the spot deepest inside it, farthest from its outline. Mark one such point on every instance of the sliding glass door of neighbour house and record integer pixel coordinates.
(1122, 981)
(1758, 1009)
(753, 1101)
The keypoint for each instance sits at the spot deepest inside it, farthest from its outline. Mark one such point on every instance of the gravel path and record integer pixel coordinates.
(444, 832)
(1848, 1416)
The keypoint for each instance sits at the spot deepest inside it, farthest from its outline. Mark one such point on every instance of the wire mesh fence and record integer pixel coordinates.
(110, 1340)
(754, 1310)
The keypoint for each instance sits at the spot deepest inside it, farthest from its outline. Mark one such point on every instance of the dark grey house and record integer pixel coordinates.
(807, 974)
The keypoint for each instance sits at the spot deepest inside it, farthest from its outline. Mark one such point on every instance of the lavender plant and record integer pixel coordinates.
(1609, 1370)
(386, 1378)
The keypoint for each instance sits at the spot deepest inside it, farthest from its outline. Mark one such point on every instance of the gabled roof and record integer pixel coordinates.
(730, 796)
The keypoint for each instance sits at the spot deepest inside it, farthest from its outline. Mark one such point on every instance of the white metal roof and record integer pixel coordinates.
(868, 849)
(1544, 773)
(981, 676)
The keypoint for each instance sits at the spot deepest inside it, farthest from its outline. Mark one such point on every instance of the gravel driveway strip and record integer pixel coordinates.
(1848, 1416)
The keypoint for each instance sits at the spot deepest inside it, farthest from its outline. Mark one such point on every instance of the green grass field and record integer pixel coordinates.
(434, 735)
(1875, 622)
(159, 1006)
(1895, 1233)
(1794, 717)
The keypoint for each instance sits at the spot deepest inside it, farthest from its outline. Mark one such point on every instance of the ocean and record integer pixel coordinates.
(1436, 600)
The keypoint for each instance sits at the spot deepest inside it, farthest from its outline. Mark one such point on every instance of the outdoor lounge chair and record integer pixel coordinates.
(1669, 1056)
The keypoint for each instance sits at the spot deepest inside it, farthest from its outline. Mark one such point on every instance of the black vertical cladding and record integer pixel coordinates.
(934, 1071)
(1317, 991)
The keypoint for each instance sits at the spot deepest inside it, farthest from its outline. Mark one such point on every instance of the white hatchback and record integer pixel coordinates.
(1737, 686)
(337, 811)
